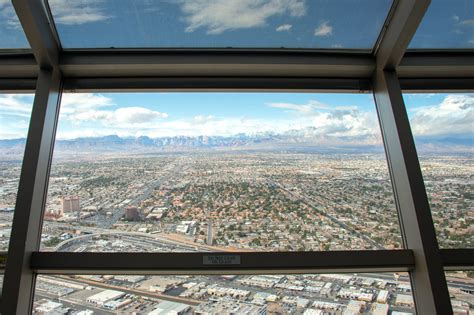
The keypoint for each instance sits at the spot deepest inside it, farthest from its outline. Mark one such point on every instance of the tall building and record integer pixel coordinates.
(209, 238)
(132, 214)
(70, 204)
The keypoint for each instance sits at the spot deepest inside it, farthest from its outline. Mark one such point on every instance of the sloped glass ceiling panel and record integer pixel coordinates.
(448, 24)
(11, 33)
(336, 24)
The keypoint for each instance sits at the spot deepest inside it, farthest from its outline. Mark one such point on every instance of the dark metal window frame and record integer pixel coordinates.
(48, 71)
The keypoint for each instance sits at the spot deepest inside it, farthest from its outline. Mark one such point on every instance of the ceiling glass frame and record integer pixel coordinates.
(227, 30)
(49, 70)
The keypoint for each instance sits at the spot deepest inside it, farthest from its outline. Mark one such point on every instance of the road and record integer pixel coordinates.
(160, 296)
(172, 170)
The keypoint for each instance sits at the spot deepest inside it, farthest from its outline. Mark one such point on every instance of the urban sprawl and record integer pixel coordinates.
(233, 201)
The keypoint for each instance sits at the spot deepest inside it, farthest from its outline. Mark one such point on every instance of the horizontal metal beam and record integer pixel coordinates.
(218, 84)
(437, 85)
(208, 63)
(453, 259)
(458, 259)
(17, 85)
(22, 65)
(437, 65)
(134, 70)
(221, 263)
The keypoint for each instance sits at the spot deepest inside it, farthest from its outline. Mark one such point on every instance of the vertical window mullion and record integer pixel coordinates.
(428, 280)
(25, 238)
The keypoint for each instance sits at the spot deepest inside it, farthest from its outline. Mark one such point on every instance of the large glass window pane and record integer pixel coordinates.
(219, 172)
(257, 294)
(219, 23)
(11, 32)
(15, 111)
(443, 128)
(446, 25)
(461, 289)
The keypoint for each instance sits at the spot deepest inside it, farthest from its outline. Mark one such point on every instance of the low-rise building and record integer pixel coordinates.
(379, 309)
(104, 297)
(170, 308)
(404, 300)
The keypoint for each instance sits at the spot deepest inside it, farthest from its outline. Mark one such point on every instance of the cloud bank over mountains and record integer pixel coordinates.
(98, 115)
(453, 116)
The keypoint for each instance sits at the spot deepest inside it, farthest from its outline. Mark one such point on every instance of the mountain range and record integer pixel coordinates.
(304, 139)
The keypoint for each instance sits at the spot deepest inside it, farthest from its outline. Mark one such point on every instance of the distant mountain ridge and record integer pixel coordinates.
(306, 138)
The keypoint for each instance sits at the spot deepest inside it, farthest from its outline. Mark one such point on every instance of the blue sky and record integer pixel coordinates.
(239, 23)
(344, 116)
(447, 24)
(215, 114)
(211, 23)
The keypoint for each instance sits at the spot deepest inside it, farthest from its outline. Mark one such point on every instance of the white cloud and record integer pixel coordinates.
(224, 126)
(469, 22)
(417, 96)
(93, 115)
(324, 29)
(200, 126)
(83, 107)
(137, 115)
(453, 116)
(340, 121)
(202, 119)
(311, 108)
(88, 133)
(125, 117)
(77, 102)
(16, 105)
(13, 128)
(217, 16)
(336, 121)
(73, 12)
(15, 113)
(8, 15)
(284, 28)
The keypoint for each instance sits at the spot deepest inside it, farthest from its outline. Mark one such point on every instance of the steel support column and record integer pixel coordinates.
(37, 27)
(403, 24)
(428, 281)
(18, 287)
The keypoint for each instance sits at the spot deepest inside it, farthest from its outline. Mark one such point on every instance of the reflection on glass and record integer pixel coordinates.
(257, 294)
(15, 111)
(219, 172)
(461, 288)
(446, 25)
(224, 24)
(11, 32)
(443, 128)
